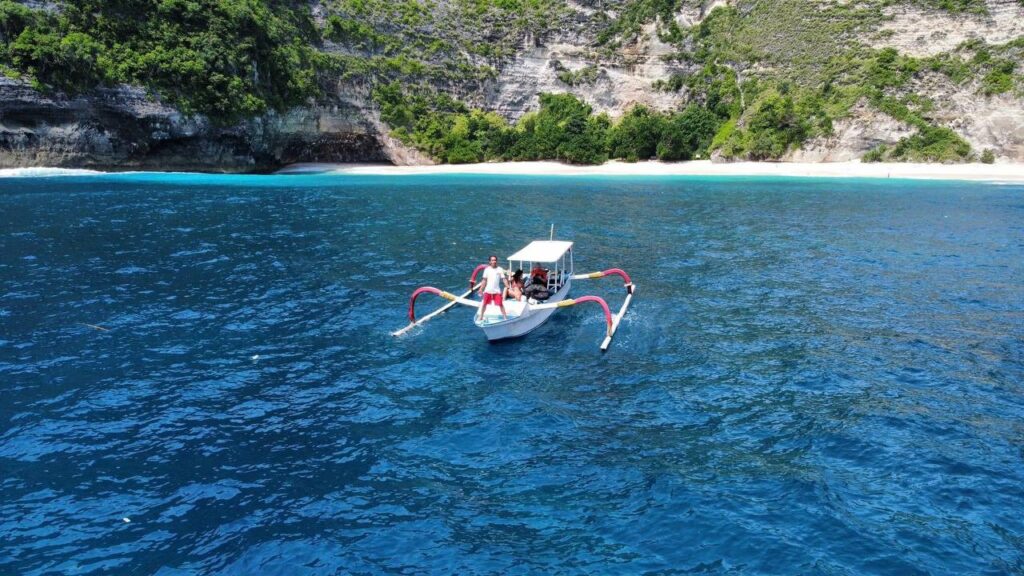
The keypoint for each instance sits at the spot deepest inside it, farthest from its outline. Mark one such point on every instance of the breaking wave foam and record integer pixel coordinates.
(45, 172)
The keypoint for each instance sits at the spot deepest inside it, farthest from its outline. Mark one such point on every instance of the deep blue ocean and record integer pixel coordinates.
(815, 377)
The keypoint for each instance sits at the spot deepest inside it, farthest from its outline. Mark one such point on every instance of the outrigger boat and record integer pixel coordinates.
(538, 302)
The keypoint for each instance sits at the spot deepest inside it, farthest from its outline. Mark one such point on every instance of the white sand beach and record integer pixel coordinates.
(979, 172)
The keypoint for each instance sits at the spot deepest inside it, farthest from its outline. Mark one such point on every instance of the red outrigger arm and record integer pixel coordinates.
(609, 272)
(472, 278)
(630, 291)
(446, 295)
(599, 300)
(574, 301)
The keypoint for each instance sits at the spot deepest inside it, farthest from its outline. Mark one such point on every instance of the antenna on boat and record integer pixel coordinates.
(552, 237)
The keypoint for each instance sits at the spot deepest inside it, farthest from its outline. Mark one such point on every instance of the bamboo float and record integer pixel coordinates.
(618, 318)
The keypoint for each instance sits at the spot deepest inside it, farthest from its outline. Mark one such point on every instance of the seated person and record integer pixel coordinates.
(514, 288)
(539, 276)
(538, 288)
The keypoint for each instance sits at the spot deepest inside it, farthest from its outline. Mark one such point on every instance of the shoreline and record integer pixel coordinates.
(1006, 173)
(919, 171)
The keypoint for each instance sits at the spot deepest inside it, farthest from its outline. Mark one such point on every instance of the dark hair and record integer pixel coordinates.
(518, 275)
(491, 256)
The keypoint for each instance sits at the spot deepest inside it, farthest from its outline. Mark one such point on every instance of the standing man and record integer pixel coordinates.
(492, 289)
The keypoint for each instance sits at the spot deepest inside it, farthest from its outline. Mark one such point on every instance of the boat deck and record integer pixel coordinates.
(492, 315)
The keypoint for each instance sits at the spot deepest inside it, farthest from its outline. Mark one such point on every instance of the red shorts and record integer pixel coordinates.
(492, 299)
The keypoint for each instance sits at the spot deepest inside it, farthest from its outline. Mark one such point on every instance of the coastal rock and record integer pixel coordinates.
(618, 84)
(396, 151)
(124, 128)
(864, 129)
(918, 31)
(993, 123)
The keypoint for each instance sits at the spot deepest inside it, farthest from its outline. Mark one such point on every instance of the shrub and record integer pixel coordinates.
(68, 62)
(876, 154)
(563, 128)
(952, 66)
(586, 146)
(988, 157)
(559, 130)
(637, 134)
(774, 127)
(352, 32)
(688, 134)
(14, 18)
(464, 152)
(583, 76)
(932, 144)
(674, 83)
(999, 79)
(724, 134)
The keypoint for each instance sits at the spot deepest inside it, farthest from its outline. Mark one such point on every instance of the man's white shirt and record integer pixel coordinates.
(492, 279)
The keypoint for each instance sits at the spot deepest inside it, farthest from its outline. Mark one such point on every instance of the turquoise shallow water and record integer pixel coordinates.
(817, 376)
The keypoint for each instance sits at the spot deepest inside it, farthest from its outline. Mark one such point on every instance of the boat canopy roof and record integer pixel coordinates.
(542, 251)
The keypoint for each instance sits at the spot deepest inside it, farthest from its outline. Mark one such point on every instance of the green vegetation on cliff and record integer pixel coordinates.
(756, 80)
(436, 40)
(750, 95)
(227, 58)
(564, 128)
(796, 67)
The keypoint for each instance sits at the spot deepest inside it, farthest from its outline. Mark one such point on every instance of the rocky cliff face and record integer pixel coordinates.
(993, 123)
(986, 122)
(915, 31)
(623, 78)
(124, 129)
(864, 129)
(617, 85)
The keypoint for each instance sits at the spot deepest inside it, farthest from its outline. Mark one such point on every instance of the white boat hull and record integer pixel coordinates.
(522, 318)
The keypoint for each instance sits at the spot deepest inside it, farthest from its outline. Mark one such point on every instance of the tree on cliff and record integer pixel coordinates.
(225, 58)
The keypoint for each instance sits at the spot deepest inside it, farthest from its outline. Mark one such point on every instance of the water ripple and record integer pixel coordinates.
(815, 377)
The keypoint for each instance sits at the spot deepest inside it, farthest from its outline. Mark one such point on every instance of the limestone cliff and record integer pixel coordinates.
(129, 128)
(987, 122)
(124, 129)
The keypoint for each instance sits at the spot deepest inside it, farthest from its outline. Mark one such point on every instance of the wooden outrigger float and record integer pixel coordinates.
(538, 302)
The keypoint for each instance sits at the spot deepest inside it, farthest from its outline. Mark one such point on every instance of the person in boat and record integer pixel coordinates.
(514, 290)
(538, 288)
(539, 276)
(492, 288)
